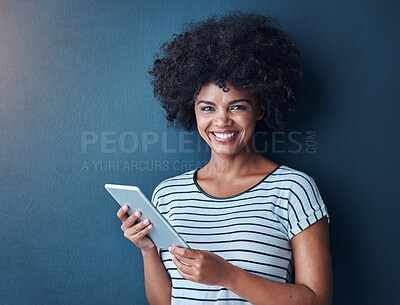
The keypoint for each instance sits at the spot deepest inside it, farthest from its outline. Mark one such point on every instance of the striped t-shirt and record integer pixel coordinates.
(251, 230)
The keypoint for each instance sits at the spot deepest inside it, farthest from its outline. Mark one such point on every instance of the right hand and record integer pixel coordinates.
(135, 232)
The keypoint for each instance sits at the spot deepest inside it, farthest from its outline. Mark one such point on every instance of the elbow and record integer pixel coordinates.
(159, 299)
(320, 297)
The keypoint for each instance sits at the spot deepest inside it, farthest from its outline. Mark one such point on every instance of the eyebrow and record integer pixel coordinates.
(230, 103)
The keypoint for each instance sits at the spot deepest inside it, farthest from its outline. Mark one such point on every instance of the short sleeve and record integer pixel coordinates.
(158, 194)
(155, 195)
(305, 205)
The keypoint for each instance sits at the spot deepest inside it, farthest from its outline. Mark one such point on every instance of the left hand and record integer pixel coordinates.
(202, 266)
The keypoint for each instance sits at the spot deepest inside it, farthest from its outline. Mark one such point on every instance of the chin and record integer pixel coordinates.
(228, 151)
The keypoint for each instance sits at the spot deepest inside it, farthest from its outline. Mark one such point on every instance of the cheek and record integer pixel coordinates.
(201, 121)
(201, 125)
(249, 120)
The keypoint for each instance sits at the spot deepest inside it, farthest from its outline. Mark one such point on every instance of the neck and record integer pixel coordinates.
(234, 165)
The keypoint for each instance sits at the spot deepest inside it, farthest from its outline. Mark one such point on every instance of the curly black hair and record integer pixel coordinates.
(243, 49)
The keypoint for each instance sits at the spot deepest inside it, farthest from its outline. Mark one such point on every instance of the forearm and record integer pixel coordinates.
(261, 291)
(157, 279)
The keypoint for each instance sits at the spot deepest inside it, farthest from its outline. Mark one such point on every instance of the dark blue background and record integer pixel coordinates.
(69, 69)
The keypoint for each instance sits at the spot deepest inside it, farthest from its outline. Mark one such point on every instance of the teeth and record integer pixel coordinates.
(224, 136)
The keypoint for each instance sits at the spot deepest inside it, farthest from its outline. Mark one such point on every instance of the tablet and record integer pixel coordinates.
(162, 234)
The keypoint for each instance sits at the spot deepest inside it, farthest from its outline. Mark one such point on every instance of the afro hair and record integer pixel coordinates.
(244, 49)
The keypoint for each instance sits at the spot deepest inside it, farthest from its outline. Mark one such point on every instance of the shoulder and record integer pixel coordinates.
(293, 175)
(169, 184)
(295, 180)
(300, 190)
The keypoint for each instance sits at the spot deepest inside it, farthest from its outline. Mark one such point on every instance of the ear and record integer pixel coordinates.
(261, 112)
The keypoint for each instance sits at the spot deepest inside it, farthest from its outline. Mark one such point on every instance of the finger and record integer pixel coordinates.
(122, 212)
(188, 253)
(131, 220)
(136, 229)
(185, 259)
(181, 266)
(186, 275)
(138, 235)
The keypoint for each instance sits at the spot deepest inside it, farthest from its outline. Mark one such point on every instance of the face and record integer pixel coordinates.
(226, 120)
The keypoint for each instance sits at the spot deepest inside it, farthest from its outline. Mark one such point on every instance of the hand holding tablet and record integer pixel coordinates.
(162, 233)
(134, 230)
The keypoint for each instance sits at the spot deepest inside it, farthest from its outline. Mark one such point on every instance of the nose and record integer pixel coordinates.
(222, 118)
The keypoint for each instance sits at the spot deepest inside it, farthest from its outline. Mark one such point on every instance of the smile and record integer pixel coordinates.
(224, 137)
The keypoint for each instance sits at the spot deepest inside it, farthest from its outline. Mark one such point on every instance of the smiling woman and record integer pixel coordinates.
(258, 230)
(224, 118)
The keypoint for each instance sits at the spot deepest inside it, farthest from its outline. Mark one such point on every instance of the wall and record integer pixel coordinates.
(74, 82)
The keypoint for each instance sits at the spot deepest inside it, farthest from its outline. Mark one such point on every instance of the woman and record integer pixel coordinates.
(248, 220)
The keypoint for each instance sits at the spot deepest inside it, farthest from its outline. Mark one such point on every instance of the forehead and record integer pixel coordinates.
(212, 91)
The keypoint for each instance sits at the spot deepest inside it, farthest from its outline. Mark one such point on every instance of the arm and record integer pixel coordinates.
(313, 272)
(157, 280)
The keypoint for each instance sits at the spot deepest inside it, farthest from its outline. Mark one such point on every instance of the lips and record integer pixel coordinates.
(225, 132)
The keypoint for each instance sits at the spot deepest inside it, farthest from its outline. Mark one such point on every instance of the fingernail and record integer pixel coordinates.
(125, 207)
(169, 249)
(146, 221)
(137, 213)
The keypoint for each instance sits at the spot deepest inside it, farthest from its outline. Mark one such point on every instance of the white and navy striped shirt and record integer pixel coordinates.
(251, 230)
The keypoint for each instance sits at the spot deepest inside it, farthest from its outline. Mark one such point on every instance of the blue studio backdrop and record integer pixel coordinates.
(77, 111)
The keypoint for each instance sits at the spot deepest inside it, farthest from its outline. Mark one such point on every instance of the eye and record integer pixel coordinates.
(236, 107)
(239, 107)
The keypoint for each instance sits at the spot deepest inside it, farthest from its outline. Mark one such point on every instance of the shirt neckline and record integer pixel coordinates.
(233, 196)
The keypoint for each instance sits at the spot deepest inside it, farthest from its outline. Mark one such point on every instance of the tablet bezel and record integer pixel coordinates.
(163, 226)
